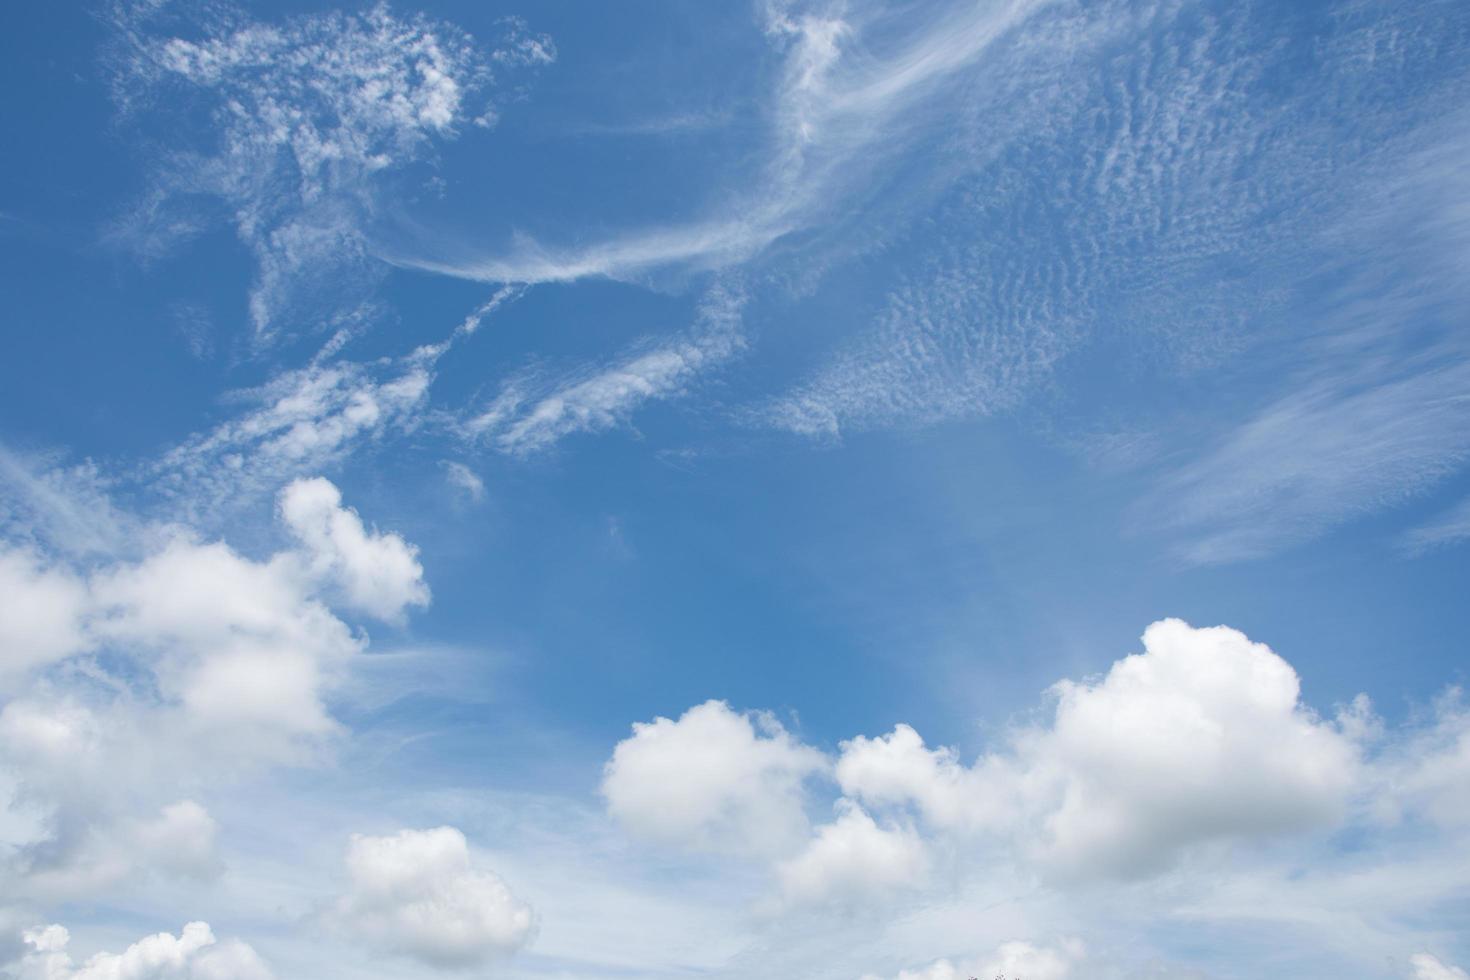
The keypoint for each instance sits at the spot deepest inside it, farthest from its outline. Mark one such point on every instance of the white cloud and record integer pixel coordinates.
(1014, 960)
(417, 893)
(854, 860)
(1429, 967)
(465, 480)
(1201, 737)
(310, 113)
(240, 645)
(186, 666)
(194, 954)
(378, 573)
(521, 422)
(181, 840)
(832, 121)
(714, 779)
(1425, 773)
(1336, 448)
(299, 423)
(40, 614)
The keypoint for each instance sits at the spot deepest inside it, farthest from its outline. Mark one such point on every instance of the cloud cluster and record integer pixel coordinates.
(134, 677)
(194, 954)
(311, 114)
(1196, 745)
(417, 893)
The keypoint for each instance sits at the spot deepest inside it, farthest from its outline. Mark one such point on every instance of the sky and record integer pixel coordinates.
(853, 489)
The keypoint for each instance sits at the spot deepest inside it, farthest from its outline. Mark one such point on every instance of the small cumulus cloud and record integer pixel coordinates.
(417, 893)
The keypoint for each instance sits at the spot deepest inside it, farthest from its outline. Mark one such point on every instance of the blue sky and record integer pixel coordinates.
(835, 489)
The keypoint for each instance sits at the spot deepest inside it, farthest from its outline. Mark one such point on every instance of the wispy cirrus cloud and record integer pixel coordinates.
(310, 116)
(847, 76)
(531, 414)
(1449, 528)
(307, 420)
(1338, 447)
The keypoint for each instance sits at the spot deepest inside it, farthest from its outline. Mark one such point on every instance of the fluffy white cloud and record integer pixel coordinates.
(853, 859)
(1013, 960)
(194, 954)
(1200, 737)
(714, 779)
(378, 573)
(190, 664)
(417, 893)
(40, 614)
(1430, 967)
(1428, 773)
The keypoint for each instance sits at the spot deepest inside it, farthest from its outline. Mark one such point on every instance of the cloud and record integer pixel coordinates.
(1425, 774)
(464, 480)
(40, 614)
(1429, 967)
(181, 840)
(1200, 737)
(189, 664)
(714, 779)
(1336, 448)
(194, 954)
(852, 859)
(523, 419)
(378, 573)
(300, 422)
(1014, 960)
(311, 114)
(417, 893)
(1450, 528)
(833, 119)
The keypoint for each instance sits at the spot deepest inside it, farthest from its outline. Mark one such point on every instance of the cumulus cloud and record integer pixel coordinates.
(1430, 967)
(194, 954)
(192, 659)
(378, 573)
(853, 859)
(1200, 737)
(310, 115)
(40, 614)
(1426, 775)
(417, 893)
(714, 779)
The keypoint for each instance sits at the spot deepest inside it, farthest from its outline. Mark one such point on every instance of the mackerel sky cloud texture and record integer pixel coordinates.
(792, 488)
